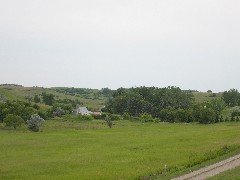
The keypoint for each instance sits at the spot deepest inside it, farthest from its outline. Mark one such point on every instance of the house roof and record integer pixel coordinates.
(83, 110)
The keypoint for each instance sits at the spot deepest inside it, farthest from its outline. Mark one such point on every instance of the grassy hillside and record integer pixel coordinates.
(205, 96)
(92, 98)
(68, 149)
(23, 93)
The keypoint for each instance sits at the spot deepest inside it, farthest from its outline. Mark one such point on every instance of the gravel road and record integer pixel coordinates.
(212, 170)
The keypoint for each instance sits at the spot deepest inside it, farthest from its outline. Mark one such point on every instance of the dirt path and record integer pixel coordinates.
(212, 170)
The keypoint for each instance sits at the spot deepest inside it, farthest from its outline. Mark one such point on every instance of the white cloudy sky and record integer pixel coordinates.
(193, 44)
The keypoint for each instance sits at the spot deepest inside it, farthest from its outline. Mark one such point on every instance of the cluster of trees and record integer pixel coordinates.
(86, 93)
(25, 110)
(16, 85)
(231, 97)
(151, 100)
(59, 107)
(18, 108)
(16, 113)
(169, 104)
(49, 99)
(33, 123)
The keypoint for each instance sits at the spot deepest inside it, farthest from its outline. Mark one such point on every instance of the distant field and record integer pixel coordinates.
(66, 149)
(204, 96)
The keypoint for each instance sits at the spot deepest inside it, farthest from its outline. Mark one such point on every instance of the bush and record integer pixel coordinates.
(227, 119)
(237, 119)
(109, 121)
(96, 116)
(45, 114)
(115, 117)
(100, 116)
(59, 112)
(85, 117)
(145, 117)
(221, 118)
(183, 115)
(12, 120)
(35, 122)
(168, 114)
(35, 106)
(126, 116)
(207, 116)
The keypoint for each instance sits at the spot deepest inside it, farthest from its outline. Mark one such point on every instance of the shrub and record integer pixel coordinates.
(35, 106)
(59, 112)
(34, 122)
(45, 114)
(126, 116)
(12, 120)
(145, 117)
(100, 116)
(109, 121)
(227, 119)
(221, 118)
(183, 115)
(115, 117)
(85, 117)
(207, 116)
(168, 114)
(237, 119)
(96, 116)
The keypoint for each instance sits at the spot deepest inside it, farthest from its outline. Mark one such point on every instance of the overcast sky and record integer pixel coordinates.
(192, 44)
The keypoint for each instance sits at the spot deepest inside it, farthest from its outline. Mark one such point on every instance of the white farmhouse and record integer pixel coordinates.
(83, 111)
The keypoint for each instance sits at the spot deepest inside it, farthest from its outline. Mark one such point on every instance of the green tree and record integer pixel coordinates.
(106, 92)
(207, 116)
(231, 97)
(58, 112)
(12, 120)
(151, 100)
(3, 111)
(145, 117)
(168, 115)
(66, 107)
(48, 99)
(184, 115)
(36, 99)
(126, 116)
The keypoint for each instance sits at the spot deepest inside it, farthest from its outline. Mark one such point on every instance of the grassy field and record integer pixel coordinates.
(232, 174)
(19, 93)
(204, 96)
(66, 149)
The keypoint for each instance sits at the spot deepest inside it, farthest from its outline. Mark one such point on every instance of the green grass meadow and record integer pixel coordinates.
(67, 149)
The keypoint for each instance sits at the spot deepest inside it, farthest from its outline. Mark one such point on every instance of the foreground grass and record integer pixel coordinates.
(232, 174)
(91, 150)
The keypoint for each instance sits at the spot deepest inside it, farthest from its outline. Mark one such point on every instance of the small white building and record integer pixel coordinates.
(83, 111)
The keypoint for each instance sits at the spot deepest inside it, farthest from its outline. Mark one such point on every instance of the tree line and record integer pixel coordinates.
(170, 104)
